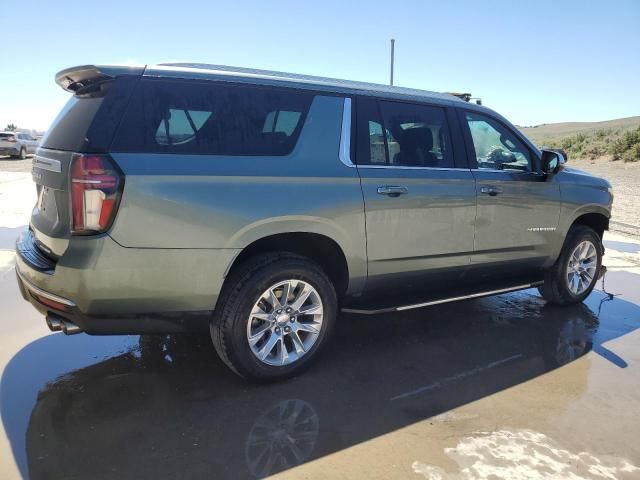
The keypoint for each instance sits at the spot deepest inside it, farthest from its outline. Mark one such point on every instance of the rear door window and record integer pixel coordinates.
(403, 134)
(212, 118)
(417, 135)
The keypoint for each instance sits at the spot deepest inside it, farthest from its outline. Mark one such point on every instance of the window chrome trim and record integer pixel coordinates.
(496, 170)
(406, 167)
(345, 134)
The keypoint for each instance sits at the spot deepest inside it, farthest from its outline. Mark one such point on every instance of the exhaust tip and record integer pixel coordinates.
(54, 323)
(69, 328)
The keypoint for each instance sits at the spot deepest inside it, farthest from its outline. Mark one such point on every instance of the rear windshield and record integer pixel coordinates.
(69, 130)
(88, 121)
(192, 117)
(7, 135)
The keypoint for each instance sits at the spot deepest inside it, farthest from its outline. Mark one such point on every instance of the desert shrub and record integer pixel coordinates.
(632, 154)
(627, 147)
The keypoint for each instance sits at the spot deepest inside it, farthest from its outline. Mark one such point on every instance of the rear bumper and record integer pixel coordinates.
(159, 322)
(107, 289)
(9, 151)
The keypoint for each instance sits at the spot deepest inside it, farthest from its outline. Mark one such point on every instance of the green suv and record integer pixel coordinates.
(256, 205)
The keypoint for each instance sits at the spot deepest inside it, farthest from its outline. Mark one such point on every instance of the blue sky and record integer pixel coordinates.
(535, 62)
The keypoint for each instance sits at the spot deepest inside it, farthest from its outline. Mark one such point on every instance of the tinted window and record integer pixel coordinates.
(6, 135)
(88, 121)
(403, 134)
(376, 143)
(212, 118)
(69, 130)
(370, 140)
(180, 126)
(496, 147)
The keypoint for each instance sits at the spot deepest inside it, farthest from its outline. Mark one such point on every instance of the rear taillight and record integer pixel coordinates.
(96, 186)
(10, 139)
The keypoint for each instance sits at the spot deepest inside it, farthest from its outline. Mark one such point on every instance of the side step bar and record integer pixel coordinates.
(437, 301)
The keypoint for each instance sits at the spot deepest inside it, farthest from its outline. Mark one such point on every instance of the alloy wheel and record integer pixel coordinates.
(581, 268)
(285, 322)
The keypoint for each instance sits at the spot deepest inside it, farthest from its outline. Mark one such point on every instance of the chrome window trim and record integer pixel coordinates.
(496, 170)
(406, 167)
(45, 163)
(345, 134)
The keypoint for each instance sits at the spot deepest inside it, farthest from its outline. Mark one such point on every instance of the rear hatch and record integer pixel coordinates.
(7, 140)
(86, 125)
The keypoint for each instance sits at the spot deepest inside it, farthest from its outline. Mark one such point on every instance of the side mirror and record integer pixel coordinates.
(551, 161)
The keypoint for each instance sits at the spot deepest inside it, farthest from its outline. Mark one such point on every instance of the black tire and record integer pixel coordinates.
(23, 154)
(555, 289)
(242, 290)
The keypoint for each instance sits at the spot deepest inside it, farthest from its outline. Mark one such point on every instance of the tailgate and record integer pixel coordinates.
(86, 124)
(4, 143)
(51, 217)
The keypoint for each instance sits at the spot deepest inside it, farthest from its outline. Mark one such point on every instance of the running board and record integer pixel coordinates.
(438, 301)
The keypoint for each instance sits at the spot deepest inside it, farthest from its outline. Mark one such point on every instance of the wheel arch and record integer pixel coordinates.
(319, 248)
(593, 216)
(595, 219)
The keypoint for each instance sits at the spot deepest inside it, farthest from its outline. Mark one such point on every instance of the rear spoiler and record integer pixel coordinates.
(74, 78)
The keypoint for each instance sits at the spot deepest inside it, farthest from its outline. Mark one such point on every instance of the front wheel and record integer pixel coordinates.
(574, 275)
(274, 314)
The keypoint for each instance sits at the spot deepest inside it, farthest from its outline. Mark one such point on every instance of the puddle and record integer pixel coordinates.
(625, 247)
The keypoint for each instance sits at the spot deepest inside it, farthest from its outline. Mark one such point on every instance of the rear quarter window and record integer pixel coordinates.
(193, 117)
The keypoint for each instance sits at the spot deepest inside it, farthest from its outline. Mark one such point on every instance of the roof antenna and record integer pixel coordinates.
(393, 43)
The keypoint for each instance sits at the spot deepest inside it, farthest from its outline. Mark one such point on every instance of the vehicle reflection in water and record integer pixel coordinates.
(164, 406)
(282, 437)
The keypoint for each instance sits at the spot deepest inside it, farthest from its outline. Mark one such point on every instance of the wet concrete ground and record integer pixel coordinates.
(504, 386)
(436, 390)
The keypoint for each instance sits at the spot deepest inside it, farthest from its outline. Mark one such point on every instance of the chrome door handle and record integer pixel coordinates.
(490, 190)
(392, 190)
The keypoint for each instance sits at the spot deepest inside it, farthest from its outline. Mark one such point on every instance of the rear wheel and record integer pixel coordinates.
(273, 316)
(574, 275)
(23, 154)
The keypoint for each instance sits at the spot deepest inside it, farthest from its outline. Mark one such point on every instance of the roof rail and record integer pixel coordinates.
(466, 97)
(462, 96)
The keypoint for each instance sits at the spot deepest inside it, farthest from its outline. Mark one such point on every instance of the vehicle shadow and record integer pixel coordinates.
(166, 407)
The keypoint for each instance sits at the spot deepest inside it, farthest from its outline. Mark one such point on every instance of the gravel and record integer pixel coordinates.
(625, 180)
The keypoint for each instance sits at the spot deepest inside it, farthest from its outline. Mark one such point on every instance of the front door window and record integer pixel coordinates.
(496, 147)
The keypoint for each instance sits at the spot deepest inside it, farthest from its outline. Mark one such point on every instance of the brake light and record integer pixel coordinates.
(96, 187)
(10, 139)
